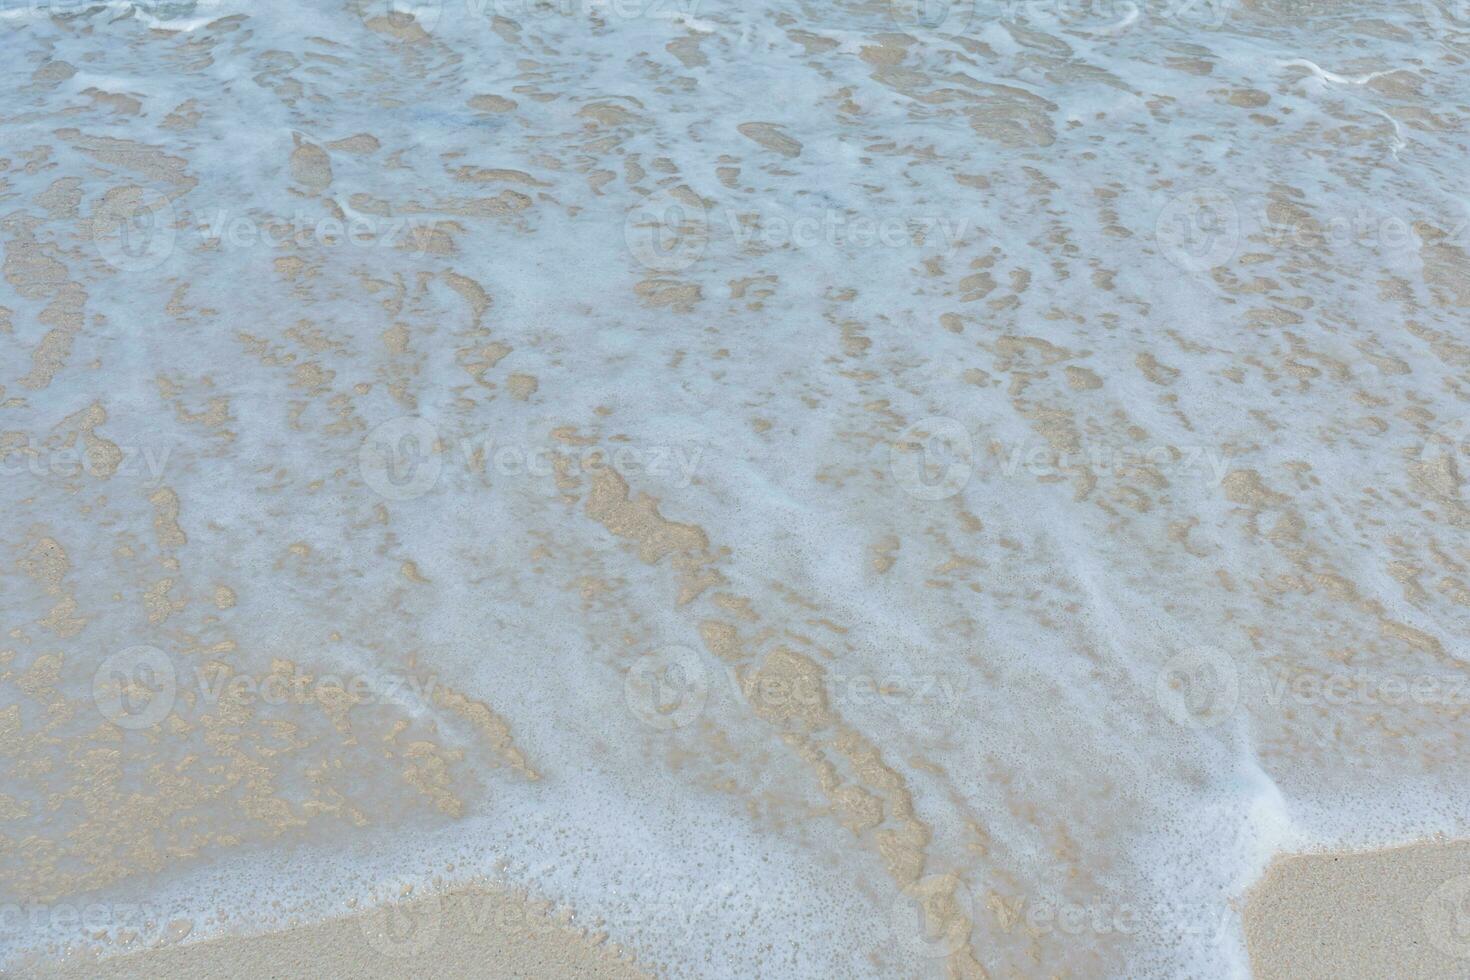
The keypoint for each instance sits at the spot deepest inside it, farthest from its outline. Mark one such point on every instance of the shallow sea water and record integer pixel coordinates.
(820, 490)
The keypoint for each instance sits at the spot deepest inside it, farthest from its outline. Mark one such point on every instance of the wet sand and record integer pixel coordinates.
(469, 933)
(882, 490)
(1403, 912)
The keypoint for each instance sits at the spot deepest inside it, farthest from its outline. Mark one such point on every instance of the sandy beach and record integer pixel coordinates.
(1403, 912)
(805, 489)
(465, 933)
(1361, 916)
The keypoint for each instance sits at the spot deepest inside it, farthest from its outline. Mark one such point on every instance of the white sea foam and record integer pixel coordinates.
(1206, 273)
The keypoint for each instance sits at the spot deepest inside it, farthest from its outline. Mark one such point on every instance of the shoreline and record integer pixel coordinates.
(455, 933)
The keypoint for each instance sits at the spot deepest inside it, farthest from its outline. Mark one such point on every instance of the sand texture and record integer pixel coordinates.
(467, 933)
(1402, 913)
(864, 489)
